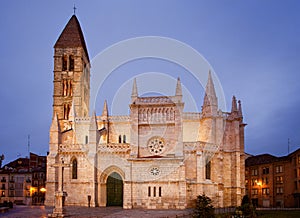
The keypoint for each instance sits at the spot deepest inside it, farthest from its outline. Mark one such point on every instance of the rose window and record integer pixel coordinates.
(155, 171)
(156, 145)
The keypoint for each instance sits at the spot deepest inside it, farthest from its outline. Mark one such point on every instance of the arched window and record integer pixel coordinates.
(71, 63)
(74, 168)
(124, 138)
(120, 139)
(64, 63)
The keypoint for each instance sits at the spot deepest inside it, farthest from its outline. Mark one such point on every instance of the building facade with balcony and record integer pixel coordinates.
(273, 181)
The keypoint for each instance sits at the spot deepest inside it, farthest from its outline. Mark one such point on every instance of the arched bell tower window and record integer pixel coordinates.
(71, 63)
(64, 63)
(66, 111)
(120, 139)
(74, 168)
(124, 138)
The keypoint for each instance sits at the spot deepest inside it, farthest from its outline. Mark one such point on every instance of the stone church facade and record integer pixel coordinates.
(157, 157)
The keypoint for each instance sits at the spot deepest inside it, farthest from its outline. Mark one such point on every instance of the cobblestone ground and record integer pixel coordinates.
(84, 212)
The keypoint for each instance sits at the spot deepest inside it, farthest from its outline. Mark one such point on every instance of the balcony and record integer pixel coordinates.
(11, 188)
(3, 180)
(2, 188)
(11, 180)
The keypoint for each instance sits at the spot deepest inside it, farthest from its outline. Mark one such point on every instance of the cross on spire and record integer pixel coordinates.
(74, 8)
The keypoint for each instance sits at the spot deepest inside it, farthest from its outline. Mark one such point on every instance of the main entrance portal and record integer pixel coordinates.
(114, 190)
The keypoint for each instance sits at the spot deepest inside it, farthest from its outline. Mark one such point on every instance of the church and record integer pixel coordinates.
(157, 157)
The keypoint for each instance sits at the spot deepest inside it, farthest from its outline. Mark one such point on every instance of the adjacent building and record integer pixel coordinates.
(156, 157)
(274, 181)
(23, 180)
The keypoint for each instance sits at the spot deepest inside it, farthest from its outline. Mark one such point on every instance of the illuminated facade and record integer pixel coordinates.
(156, 157)
(274, 181)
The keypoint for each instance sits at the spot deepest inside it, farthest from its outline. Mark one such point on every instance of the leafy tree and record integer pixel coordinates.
(204, 209)
(247, 208)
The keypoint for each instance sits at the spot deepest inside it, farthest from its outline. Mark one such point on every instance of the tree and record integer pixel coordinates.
(204, 209)
(247, 208)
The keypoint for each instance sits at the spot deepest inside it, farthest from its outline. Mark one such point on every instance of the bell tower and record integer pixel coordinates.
(71, 73)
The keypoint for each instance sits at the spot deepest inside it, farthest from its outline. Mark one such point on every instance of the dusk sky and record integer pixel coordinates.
(252, 46)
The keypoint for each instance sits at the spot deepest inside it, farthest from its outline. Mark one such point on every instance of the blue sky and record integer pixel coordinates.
(253, 47)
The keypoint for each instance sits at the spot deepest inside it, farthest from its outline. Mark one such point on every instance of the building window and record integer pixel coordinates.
(279, 190)
(265, 191)
(86, 139)
(120, 139)
(279, 179)
(154, 191)
(254, 191)
(74, 169)
(3, 194)
(159, 192)
(266, 170)
(71, 62)
(66, 111)
(298, 159)
(254, 172)
(265, 180)
(149, 191)
(208, 170)
(3, 187)
(279, 169)
(124, 138)
(64, 63)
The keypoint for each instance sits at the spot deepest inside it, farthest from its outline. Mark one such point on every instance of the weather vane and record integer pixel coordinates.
(74, 8)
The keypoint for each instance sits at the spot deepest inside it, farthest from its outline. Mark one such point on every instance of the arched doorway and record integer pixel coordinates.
(114, 190)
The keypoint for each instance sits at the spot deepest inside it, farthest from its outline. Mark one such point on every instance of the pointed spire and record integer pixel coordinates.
(178, 88)
(233, 104)
(105, 109)
(72, 36)
(210, 98)
(134, 93)
(55, 127)
(240, 112)
(93, 122)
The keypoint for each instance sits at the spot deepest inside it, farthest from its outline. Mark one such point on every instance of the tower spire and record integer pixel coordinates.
(210, 104)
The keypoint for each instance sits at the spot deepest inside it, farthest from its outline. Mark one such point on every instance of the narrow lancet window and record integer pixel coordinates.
(74, 169)
(124, 138)
(64, 63)
(71, 63)
(208, 170)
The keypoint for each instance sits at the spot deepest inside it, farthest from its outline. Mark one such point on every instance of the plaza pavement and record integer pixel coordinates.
(85, 212)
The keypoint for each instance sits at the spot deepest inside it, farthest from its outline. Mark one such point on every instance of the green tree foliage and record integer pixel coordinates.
(246, 208)
(204, 209)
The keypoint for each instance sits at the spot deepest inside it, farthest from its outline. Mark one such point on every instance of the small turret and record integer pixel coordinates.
(178, 88)
(233, 105)
(240, 112)
(134, 93)
(105, 110)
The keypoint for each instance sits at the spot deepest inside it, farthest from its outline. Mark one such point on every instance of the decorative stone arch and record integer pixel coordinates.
(103, 181)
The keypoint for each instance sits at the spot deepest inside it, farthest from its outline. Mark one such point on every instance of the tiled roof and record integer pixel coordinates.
(72, 36)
